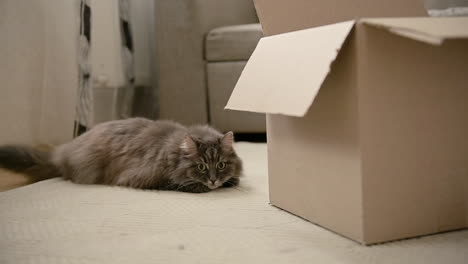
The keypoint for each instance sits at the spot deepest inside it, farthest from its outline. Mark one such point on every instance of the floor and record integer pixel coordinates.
(10, 180)
(56, 221)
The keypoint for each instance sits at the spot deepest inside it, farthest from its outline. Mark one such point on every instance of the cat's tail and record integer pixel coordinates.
(34, 163)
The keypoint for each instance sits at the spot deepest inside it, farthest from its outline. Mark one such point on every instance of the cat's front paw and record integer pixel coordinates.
(195, 188)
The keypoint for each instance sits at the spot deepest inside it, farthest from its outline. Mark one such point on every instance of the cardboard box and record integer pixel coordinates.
(280, 16)
(367, 124)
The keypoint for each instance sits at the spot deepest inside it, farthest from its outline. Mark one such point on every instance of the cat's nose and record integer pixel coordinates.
(213, 181)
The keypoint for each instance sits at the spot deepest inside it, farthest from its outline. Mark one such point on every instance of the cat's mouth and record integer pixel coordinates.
(213, 185)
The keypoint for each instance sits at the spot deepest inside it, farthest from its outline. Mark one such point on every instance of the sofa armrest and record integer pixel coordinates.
(180, 27)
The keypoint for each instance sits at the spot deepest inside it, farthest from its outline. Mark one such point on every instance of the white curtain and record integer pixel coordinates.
(38, 70)
(43, 57)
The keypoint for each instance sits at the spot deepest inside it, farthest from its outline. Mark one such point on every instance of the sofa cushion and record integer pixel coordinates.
(222, 77)
(232, 43)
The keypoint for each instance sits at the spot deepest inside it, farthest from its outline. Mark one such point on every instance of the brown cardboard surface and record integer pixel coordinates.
(433, 30)
(413, 133)
(382, 153)
(297, 63)
(302, 150)
(280, 16)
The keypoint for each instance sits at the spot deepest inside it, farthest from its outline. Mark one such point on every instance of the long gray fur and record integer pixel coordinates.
(137, 153)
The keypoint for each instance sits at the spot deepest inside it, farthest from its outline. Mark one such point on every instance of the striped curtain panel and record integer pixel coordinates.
(84, 106)
(87, 102)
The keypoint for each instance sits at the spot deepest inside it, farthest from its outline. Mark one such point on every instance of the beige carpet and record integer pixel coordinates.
(59, 222)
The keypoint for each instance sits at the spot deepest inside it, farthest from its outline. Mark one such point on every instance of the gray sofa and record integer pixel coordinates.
(201, 48)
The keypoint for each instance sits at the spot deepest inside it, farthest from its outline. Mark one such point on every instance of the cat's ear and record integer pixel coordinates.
(188, 146)
(227, 141)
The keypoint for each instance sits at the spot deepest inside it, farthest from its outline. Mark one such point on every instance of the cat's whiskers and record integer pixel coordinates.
(239, 189)
(231, 184)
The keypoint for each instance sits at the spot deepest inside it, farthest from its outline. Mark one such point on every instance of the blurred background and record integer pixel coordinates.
(68, 65)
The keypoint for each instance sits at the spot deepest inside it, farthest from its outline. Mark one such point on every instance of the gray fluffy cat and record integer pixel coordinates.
(137, 153)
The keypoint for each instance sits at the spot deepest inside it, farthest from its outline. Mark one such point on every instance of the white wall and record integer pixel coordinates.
(61, 71)
(142, 15)
(38, 70)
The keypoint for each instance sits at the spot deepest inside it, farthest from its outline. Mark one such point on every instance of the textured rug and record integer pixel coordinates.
(56, 221)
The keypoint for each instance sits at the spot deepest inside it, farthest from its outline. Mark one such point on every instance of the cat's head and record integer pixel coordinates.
(210, 158)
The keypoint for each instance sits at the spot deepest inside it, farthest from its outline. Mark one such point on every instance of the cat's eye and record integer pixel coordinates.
(221, 165)
(201, 167)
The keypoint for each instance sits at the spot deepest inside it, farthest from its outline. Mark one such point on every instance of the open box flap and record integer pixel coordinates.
(430, 30)
(286, 71)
